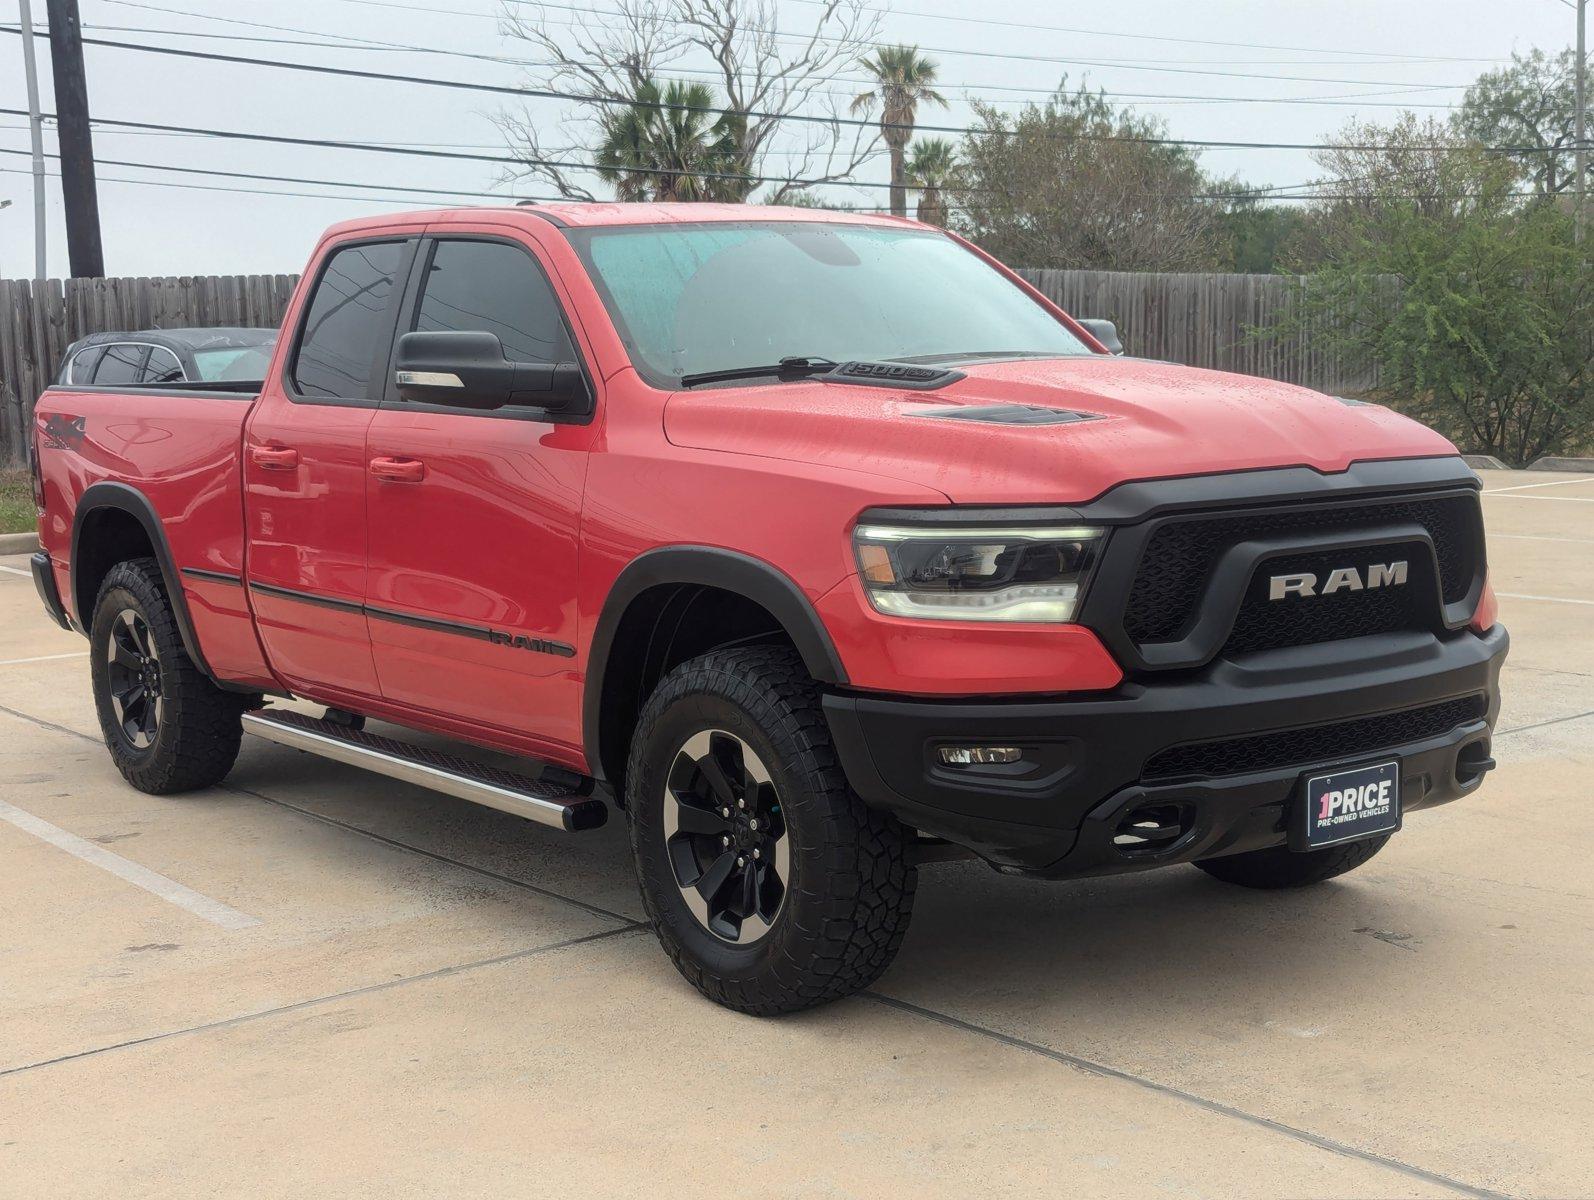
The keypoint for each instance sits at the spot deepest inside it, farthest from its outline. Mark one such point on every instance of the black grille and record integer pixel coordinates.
(1314, 743)
(1266, 624)
(1178, 559)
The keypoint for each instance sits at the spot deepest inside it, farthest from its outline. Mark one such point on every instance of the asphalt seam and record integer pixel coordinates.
(1213, 1106)
(394, 843)
(296, 1006)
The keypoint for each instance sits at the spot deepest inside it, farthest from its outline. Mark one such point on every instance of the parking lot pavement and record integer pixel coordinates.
(415, 996)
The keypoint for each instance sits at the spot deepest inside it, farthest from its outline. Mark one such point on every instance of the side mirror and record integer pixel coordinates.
(468, 369)
(1104, 332)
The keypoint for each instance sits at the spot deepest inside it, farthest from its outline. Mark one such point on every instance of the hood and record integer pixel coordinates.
(1148, 420)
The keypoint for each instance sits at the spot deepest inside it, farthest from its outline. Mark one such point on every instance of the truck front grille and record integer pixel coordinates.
(1177, 563)
(1313, 743)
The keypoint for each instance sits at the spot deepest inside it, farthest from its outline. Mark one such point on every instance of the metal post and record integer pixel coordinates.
(30, 72)
(1582, 154)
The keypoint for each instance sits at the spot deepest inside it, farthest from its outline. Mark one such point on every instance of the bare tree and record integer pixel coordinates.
(766, 75)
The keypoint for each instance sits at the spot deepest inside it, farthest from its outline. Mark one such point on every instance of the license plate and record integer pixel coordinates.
(1356, 803)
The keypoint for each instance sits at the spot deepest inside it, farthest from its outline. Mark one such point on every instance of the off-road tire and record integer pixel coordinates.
(1279, 867)
(850, 889)
(199, 732)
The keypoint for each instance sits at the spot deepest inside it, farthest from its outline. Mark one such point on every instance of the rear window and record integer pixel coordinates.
(123, 363)
(83, 364)
(162, 367)
(347, 314)
(240, 363)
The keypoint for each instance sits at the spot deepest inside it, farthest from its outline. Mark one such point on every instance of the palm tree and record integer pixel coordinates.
(902, 81)
(667, 146)
(930, 169)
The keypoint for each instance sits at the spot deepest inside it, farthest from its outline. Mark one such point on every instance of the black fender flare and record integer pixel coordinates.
(707, 566)
(109, 494)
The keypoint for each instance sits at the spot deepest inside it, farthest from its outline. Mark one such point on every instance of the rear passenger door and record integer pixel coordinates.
(474, 516)
(304, 465)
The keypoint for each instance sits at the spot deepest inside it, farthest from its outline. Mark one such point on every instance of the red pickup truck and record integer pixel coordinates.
(821, 545)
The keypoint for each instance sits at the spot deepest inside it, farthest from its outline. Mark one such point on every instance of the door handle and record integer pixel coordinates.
(274, 458)
(398, 470)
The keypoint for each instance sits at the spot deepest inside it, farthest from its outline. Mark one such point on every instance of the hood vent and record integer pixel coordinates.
(894, 375)
(1008, 414)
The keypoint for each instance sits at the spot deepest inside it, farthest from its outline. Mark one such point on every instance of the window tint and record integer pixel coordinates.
(82, 370)
(122, 363)
(162, 367)
(346, 318)
(497, 288)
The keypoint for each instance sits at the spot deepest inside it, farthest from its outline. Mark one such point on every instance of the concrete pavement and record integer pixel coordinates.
(436, 999)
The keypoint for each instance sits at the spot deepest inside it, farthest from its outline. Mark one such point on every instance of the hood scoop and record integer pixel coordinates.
(893, 375)
(1007, 414)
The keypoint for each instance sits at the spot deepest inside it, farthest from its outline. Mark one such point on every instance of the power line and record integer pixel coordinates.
(548, 93)
(350, 42)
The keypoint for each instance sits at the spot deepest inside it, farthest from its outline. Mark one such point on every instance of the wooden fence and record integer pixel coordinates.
(1207, 321)
(1203, 320)
(39, 320)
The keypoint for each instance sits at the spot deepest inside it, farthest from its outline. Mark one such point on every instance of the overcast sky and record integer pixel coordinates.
(1155, 54)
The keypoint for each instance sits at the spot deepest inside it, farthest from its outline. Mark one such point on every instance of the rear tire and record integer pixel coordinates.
(167, 726)
(1280, 867)
(821, 909)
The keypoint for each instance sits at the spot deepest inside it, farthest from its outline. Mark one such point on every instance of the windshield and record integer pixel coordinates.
(237, 363)
(689, 299)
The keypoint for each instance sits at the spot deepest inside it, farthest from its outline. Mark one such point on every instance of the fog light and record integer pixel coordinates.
(967, 756)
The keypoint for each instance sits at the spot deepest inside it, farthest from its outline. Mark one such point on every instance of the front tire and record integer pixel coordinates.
(770, 885)
(1280, 867)
(167, 726)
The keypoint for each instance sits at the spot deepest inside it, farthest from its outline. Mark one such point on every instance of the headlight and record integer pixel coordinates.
(978, 573)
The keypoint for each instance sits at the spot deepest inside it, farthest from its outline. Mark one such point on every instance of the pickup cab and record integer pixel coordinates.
(820, 545)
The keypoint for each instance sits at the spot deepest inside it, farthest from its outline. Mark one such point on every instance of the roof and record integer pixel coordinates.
(589, 215)
(227, 338)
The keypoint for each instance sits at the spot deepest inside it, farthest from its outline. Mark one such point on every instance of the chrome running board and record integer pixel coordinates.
(547, 803)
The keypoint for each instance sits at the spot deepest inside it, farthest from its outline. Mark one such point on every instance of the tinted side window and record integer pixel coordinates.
(347, 315)
(162, 367)
(83, 363)
(122, 363)
(497, 288)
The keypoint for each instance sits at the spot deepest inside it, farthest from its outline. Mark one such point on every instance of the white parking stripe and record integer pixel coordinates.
(12, 662)
(17, 571)
(1541, 537)
(1522, 487)
(170, 890)
(1553, 499)
(1550, 599)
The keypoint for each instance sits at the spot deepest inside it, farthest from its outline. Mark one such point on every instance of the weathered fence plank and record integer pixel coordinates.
(1202, 320)
(39, 320)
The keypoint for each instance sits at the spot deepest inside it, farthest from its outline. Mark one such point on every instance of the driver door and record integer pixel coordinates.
(474, 516)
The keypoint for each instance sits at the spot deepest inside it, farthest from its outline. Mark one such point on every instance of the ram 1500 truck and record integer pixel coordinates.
(821, 545)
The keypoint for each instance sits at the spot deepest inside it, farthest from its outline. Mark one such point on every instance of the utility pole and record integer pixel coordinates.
(84, 252)
(1582, 152)
(30, 72)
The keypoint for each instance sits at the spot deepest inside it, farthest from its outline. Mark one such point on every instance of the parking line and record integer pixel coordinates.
(156, 884)
(1522, 487)
(1560, 499)
(1546, 599)
(13, 662)
(17, 571)
(1541, 537)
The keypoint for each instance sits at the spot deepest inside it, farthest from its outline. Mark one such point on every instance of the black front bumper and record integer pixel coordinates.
(1059, 812)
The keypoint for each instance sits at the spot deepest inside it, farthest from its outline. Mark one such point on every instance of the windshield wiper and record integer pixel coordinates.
(791, 367)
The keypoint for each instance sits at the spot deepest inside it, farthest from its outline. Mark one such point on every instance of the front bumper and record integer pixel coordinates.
(1059, 813)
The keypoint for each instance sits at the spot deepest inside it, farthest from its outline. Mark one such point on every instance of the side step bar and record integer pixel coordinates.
(555, 804)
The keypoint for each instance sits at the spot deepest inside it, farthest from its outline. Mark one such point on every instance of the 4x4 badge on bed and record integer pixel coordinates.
(1340, 579)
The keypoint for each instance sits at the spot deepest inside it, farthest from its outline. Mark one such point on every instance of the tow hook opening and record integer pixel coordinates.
(1473, 763)
(1153, 828)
